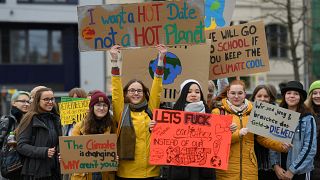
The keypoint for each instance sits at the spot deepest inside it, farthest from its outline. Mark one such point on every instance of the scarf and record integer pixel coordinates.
(238, 109)
(195, 107)
(127, 136)
(17, 113)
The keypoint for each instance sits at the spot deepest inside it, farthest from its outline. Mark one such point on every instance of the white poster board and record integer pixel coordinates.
(273, 122)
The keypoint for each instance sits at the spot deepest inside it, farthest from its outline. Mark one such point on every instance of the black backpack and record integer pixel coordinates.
(11, 161)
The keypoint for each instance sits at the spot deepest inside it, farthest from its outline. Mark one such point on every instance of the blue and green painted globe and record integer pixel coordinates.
(172, 68)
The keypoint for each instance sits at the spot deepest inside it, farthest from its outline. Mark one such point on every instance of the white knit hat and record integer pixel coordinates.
(188, 81)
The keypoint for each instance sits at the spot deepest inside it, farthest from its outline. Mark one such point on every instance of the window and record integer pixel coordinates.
(277, 40)
(35, 46)
(49, 1)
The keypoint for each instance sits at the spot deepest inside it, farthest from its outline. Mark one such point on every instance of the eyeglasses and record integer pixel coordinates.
(101, 105)
(47, 100)
(24, 101)
(132, 91)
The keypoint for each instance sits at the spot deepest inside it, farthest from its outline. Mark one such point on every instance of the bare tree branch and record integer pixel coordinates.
(276, 2)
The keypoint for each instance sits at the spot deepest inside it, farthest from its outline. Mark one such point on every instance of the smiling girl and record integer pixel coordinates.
(132, 107)
(38, 134)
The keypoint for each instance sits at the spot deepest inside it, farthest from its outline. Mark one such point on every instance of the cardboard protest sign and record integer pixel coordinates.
(66, 99)
(238, 50)
(73, 111)
(88, 153)
(218, 13)
(190, 139)
(141, 24)
(273, 122)
(183, 62)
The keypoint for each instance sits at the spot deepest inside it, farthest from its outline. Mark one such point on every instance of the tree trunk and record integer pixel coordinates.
(293, 44)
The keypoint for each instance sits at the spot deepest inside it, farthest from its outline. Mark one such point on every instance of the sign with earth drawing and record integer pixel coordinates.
(182, 62)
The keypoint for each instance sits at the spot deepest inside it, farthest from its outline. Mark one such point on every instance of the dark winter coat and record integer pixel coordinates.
(34, 142)
(14, 118)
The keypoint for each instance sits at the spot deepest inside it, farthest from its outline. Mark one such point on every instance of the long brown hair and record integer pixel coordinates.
(34, 110)
(146, 92)
(92, 125)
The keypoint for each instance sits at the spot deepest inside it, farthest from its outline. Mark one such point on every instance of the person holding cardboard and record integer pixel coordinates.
(132, 109)
(37, 137)
(313, 102)
(242, 160)
(265, 94)
(97, 121)
(298, 162)
(191, 99)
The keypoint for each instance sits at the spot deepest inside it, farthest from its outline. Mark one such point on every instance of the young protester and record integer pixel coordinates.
(37, 136)
(191, 99)
(74, 93)
(132, 107)
(298, 162)
(263, 93)
(98, 121)
(242, 159)
(67, 129)
(313, 103)
(20, 103)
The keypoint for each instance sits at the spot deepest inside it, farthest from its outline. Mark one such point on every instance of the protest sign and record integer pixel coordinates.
(238, 50)
(273, 122)
(218, 13)
(182, 62)
(141, 24)
(88, 153)
(190, 139)
(67, 99)
(73, 111)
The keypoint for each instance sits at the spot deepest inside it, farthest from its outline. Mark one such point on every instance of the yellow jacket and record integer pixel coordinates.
(139, 167)
(242, 149)
(77, 131)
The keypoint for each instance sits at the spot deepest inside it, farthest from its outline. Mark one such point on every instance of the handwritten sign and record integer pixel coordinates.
(273, 122)
(67, 99)
(73, 111)
(183, 62)
(88, 153)
(190, 139)
(238, 50)
(141, 24)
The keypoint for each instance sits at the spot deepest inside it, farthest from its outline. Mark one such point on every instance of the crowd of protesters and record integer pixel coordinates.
(36, 123)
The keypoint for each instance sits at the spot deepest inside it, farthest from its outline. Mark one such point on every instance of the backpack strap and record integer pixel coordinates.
(149, 112)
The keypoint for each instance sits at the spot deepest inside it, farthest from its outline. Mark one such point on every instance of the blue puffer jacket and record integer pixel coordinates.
(301, 156)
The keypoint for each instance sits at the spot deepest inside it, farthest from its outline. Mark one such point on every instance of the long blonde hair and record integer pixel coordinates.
(34, 109)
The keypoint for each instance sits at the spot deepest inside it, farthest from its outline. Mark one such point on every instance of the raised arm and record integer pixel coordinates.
(156, 88)
(117, 91)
